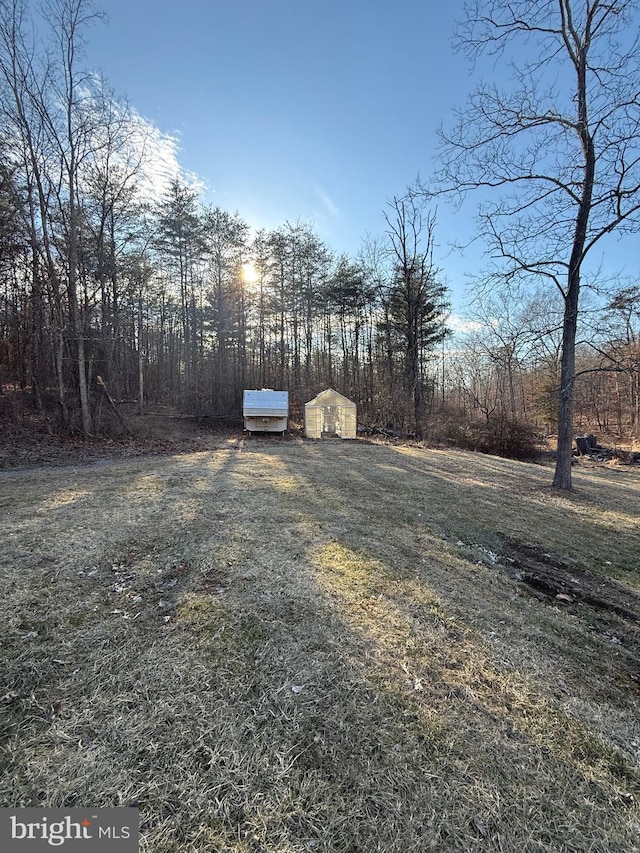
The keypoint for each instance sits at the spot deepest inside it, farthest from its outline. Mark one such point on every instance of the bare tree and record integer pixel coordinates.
(22, 99)
(561, 146)
(417, 302)
(73, 129)
(509, 331)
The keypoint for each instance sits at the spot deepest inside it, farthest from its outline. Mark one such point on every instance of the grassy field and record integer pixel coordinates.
(278, 645)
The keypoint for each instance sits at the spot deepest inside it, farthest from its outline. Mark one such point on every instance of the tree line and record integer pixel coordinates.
(115, 275)
(508, 366)
(170, 300)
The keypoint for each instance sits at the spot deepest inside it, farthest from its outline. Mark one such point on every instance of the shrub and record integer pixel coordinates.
(499, 435)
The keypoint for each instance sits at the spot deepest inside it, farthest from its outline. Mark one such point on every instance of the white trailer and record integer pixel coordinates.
(265, 410)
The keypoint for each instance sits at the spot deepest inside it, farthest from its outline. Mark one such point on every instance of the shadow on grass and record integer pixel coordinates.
(310, 665)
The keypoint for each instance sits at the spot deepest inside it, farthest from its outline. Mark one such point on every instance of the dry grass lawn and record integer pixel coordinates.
(279, 645)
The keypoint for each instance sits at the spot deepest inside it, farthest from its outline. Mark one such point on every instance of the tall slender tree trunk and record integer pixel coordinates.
(564, 455)
(76, 311)
(140, 356)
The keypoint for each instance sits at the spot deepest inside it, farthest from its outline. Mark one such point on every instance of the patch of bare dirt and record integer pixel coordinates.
(609, 607)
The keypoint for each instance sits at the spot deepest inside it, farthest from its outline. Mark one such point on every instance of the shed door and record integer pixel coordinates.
(331, 420)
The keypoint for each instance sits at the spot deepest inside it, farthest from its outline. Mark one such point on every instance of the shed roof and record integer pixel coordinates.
(324, 398)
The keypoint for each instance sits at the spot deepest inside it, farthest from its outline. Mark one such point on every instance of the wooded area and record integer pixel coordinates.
(171, 301)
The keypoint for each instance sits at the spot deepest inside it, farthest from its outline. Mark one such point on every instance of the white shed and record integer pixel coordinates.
(330, 414)
(265, 410)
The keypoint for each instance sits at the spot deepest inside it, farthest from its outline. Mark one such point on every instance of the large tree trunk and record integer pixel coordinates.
(562, 478)
(564, 456)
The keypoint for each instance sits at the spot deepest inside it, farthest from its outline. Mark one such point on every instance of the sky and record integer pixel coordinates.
(318, 110)
(312, 110)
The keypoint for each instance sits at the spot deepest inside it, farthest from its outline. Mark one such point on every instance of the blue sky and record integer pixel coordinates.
(319, 110)
(286, 109)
